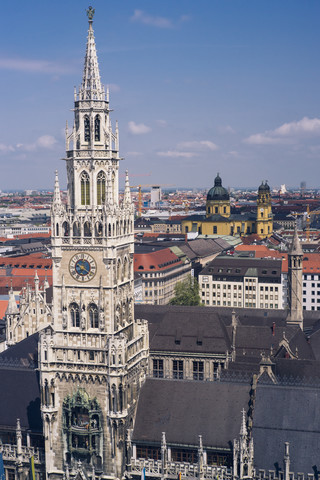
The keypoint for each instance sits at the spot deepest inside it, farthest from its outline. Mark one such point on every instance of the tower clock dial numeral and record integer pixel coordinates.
(82, 267)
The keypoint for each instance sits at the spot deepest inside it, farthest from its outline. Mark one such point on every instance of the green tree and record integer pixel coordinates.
(186, 292)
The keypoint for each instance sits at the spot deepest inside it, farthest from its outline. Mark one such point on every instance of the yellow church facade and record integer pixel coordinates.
(219, 220)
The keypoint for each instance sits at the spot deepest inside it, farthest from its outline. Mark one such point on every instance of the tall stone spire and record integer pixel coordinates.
(295, 255)
(91, 84)
(127, 195)
(295, 248)
(56, 193)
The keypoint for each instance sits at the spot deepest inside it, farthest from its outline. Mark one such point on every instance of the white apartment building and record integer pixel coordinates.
(242, 282)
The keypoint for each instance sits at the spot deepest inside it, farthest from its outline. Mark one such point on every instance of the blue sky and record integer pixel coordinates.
(198, 88)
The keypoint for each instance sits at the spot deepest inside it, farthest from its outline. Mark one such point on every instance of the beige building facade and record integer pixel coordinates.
(242, 283)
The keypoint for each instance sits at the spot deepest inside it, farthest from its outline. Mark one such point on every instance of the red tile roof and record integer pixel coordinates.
(311, 263)
(155, 261)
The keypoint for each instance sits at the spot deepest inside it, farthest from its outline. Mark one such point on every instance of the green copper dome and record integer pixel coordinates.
(218, 192)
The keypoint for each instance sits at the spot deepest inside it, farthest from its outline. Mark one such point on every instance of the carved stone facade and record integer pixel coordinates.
(93, 356)
(34, 313)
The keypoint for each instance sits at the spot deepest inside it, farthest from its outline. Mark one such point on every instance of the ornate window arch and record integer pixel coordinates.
(93, 315)
(74, 314)
(97, 128)
(101, 188)
(86, 129)
(85, 188)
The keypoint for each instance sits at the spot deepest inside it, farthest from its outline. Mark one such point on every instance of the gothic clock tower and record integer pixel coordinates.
(93, 356)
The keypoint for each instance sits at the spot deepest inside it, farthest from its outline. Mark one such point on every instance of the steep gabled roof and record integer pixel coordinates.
(185, 410)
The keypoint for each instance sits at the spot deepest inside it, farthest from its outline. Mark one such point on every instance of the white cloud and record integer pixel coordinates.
(133, 154)
(199, 145)
(226, 129)
(176, 154)
(45, 141)
(288, 132)
(154, 21)
(113, 87)
(184, 18)
(34, 66)
(263, 139)
(6, 148)
(138, 128)
(162, 123)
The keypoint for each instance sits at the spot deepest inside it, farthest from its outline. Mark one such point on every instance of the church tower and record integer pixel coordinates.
(93, 357)
(264, 224)
(295, 255)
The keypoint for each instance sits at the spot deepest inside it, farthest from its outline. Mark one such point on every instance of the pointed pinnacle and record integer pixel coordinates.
(295, 247)
(56, 194)
(243, 429)
(127, 195)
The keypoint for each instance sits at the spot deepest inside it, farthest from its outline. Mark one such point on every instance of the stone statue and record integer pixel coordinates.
(64, 318)
(83, 319)
(90, 13)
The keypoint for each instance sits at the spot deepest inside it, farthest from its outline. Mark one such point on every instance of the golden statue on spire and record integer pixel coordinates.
(90, 13)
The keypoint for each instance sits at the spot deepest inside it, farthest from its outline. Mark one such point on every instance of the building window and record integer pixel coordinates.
(158, 368)
(101, 188)
(10, 474)
(74, 315)
(198, 370)
(86, 129)
(85, 189)
(148, 452)
(177, 369)
(214, 458)
(93, 315)
(184, 455)
(214, 229)
(97, 129)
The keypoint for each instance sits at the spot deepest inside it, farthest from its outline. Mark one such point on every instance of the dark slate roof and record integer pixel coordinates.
(24, 353)
(184, 329)
(237, 267)
(286, 414)
(185, 410)
(20, 390)
(304, 370)
(20, 398)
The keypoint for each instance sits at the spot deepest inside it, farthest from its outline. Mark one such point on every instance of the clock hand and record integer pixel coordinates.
(82, 267)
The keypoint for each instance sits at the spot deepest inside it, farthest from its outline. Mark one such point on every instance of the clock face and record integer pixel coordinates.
(82, 267)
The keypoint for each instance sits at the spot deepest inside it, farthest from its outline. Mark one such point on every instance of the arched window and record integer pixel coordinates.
(98, 229)
(93, 315)
(87, 229)
(85, 189)
(65, 228)
(74, 315)
(57, 229)
(76, 229)
(101, 188)
(86, 129)
(125, 269)
(97, 128)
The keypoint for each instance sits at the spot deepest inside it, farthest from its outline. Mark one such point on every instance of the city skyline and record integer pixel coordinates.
(197, 89)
